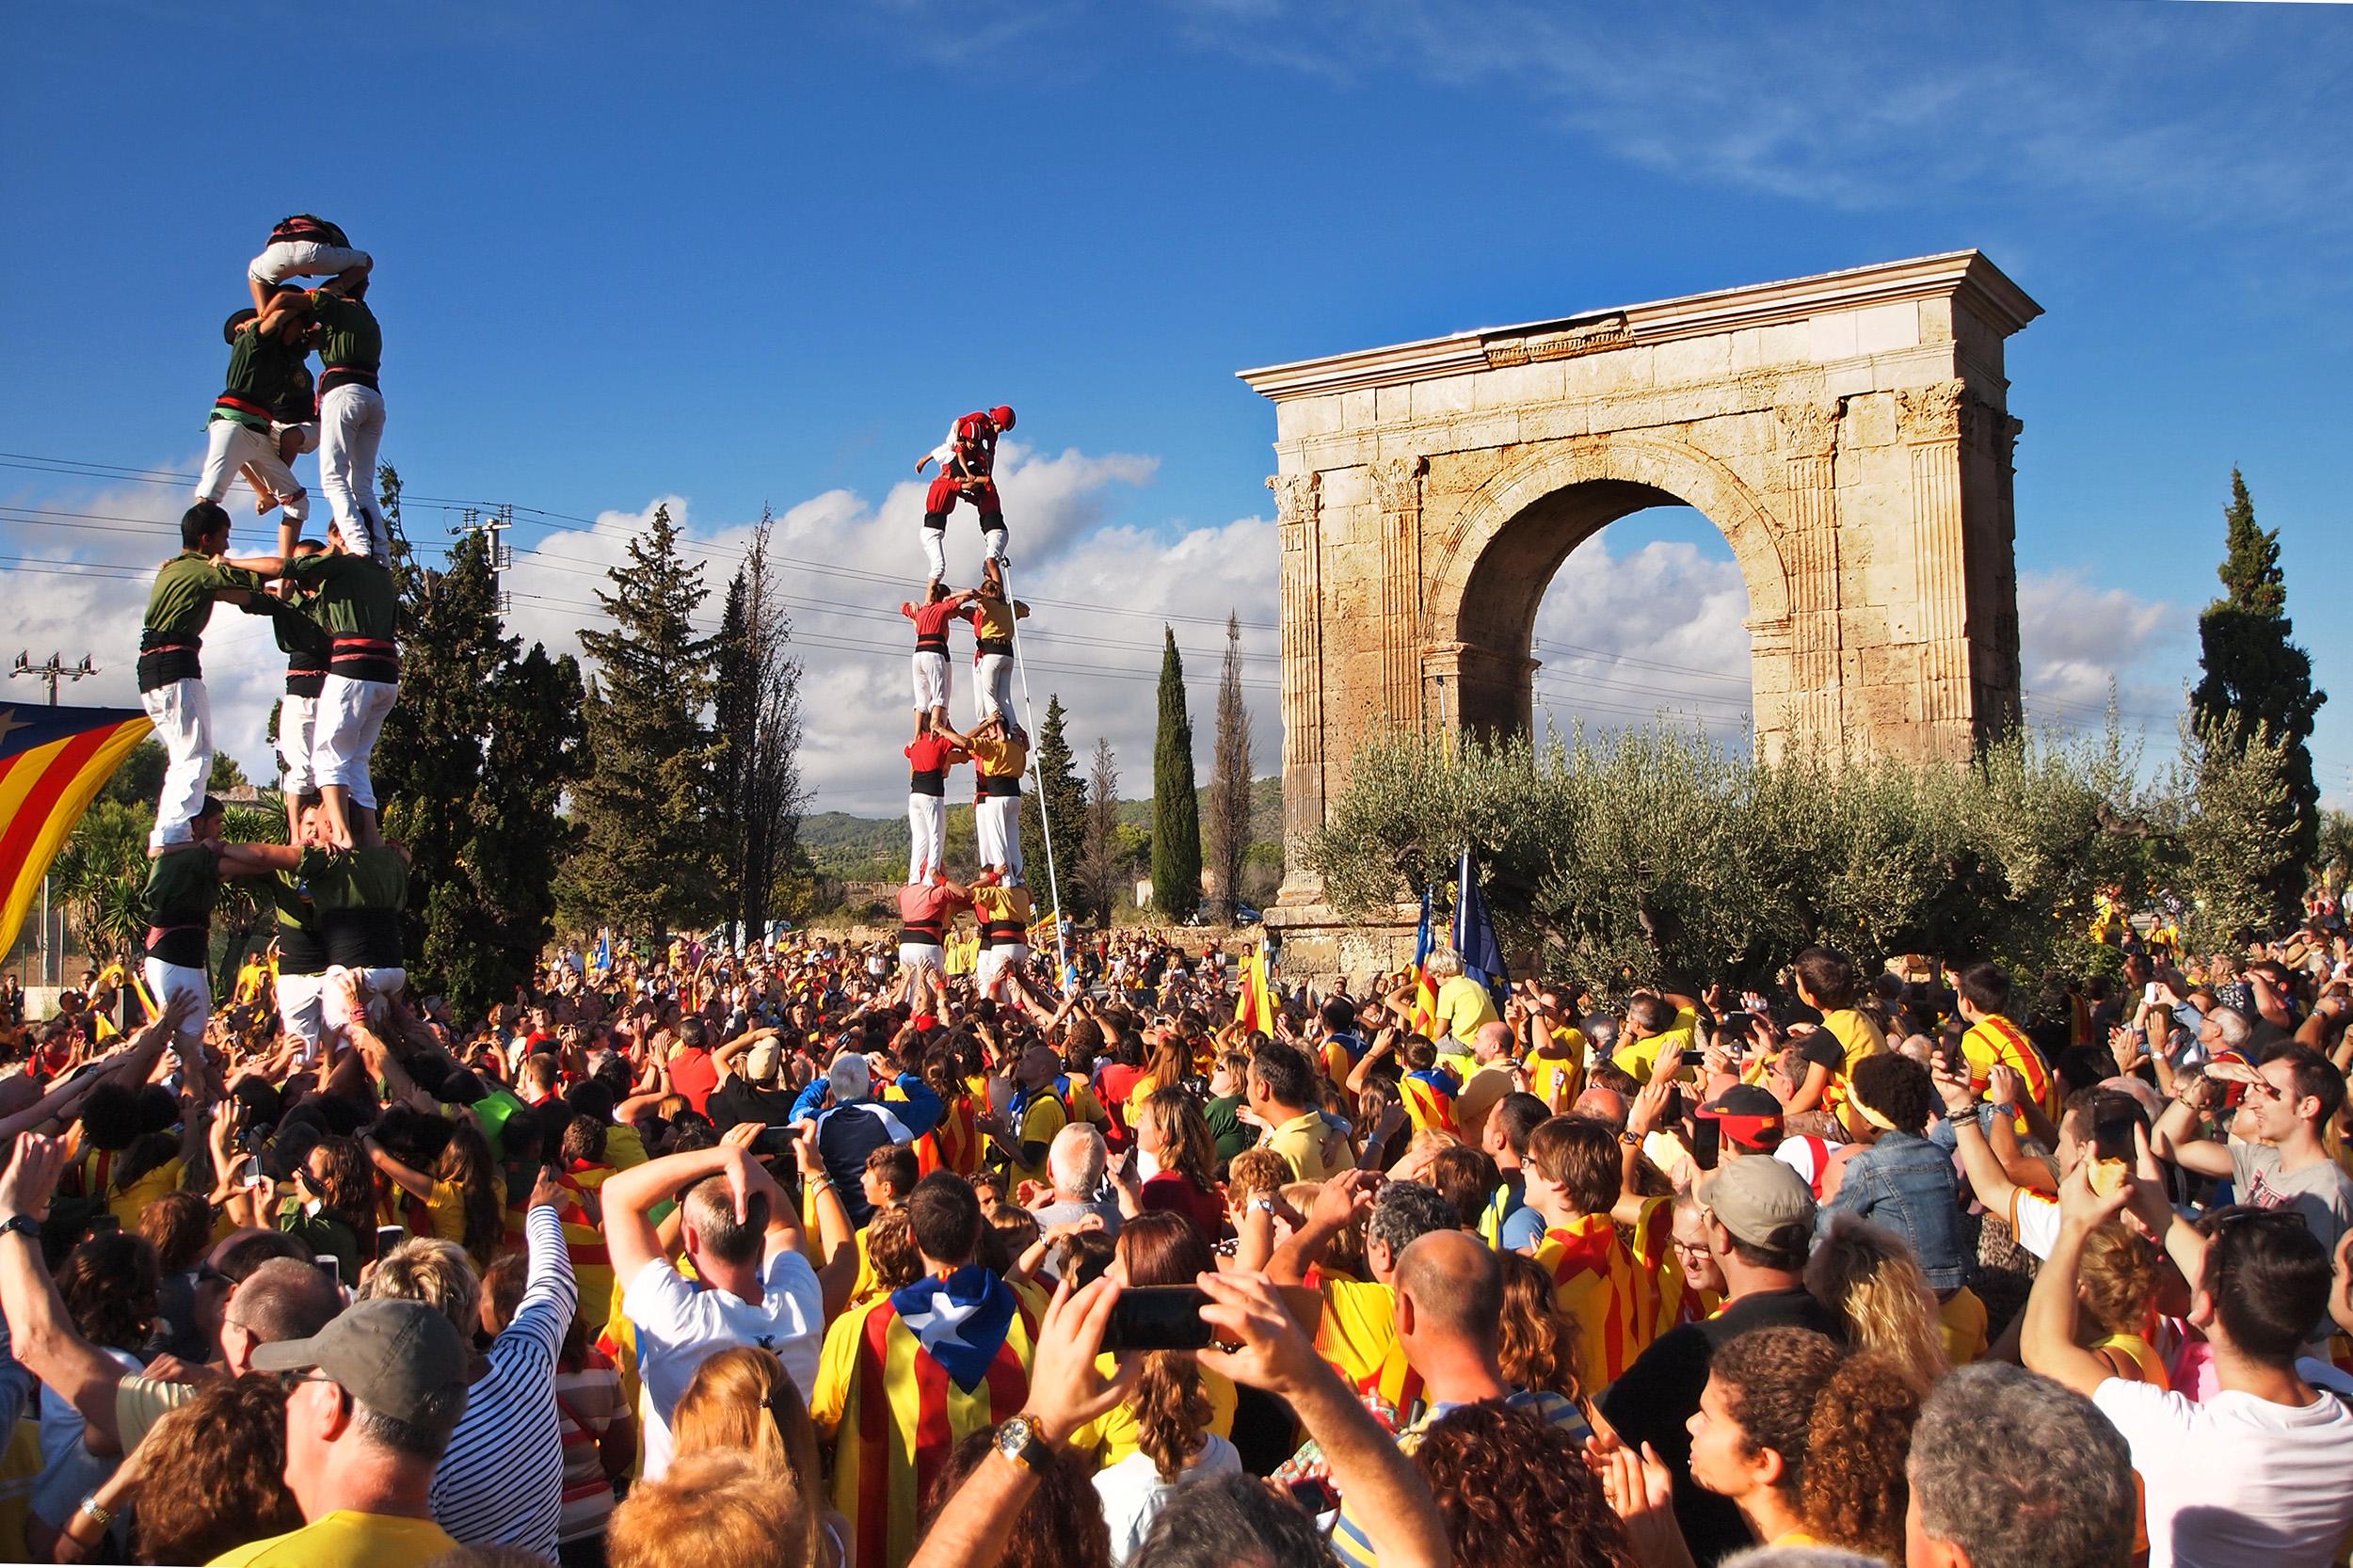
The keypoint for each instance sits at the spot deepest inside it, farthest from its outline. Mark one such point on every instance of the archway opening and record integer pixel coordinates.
(1645, 621)
(1607, 603)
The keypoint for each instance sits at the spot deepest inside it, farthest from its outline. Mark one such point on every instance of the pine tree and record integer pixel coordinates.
(650, 856)
(2255, 676)
(1099, 856)
(1176, 803)
(1228, 829)
(1058, 800)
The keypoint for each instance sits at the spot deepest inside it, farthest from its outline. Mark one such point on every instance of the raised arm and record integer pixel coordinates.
(41, 1331)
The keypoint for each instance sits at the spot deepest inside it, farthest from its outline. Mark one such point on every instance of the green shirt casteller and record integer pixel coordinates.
(354, 598)
(261, 366)
(368, 877)
(186, 588)
(353, 341)
(183, 885)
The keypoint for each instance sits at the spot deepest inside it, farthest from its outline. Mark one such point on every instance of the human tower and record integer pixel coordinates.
(995, 746)
(337, 887)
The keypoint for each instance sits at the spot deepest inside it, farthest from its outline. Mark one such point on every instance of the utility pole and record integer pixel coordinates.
(495, 523)
(52, 672)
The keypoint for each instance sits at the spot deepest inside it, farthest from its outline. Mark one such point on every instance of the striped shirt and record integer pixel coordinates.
(589, 1401)
(502, 1481)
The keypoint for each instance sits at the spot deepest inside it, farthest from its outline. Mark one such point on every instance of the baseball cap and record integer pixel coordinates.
(1759, 1201)
(1749, 1115)
(759, 1062)
(400, 1358)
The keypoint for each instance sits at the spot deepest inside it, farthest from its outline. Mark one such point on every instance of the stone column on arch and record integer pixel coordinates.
(1298, 508)
(1397, 486)
(1930, 420)
(1813, 710)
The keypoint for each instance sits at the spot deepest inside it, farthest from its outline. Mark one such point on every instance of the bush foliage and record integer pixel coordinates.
(1652, 855)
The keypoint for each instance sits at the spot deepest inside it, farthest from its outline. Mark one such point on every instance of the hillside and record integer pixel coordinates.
(874, 849)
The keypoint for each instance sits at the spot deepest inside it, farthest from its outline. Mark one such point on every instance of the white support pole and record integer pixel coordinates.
(1045, 818)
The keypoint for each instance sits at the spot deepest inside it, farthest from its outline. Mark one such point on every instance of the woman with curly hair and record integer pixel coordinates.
(1808, 1440)
(1514, 1489)
(1176, 1423)
(1538, 1349)
(1060, 1527)
(2115, 1284)
(1864, 1273)
(741, 1400)
(209, 1478)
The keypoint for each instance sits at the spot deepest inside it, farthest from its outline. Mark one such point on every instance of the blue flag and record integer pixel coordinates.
(1421, 937)
(1475, 932)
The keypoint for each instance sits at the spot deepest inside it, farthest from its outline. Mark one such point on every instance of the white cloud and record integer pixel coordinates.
(1634, 633)
(2077, 638)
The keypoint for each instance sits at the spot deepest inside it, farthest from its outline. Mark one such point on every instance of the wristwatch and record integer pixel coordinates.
(24, 1224)
(1022, 1442)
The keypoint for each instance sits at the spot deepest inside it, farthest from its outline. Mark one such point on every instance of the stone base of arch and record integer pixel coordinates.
(1847, 433)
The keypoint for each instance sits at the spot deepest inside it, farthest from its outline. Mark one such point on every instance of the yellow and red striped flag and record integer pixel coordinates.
(1254, 1005)
(52, 761)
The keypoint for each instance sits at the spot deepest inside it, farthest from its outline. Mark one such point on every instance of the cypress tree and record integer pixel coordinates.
(2254, 675)
(1175, 801)
(1229, 777)
(1060, 800)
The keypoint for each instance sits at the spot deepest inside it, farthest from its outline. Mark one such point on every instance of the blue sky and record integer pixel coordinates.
(737, 255)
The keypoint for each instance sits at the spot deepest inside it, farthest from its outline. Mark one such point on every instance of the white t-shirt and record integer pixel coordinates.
(1132, 1490)
(679, 1323)
(2237, 1481)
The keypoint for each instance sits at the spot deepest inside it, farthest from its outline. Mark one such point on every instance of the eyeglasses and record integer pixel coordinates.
(290, 1380)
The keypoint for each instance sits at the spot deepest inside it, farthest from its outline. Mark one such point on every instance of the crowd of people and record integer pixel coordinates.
(791, 1255)
(828, 1254)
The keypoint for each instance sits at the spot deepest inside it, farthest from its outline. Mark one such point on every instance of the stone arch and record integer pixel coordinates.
(1848, 434)
(1494, 559)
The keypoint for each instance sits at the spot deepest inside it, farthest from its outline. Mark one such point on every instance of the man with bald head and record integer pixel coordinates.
(1487, 1082)
(1449, 1307)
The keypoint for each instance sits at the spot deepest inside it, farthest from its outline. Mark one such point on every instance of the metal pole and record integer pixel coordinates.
(52, 672)
(1045, 817)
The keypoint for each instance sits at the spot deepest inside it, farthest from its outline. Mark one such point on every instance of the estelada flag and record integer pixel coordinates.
(52, 761)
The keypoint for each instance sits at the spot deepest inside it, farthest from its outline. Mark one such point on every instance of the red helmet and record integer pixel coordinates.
(1001, 417)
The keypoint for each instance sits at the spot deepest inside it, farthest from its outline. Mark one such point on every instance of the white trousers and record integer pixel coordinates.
(166, 981)
(990, 966)
(183, 721)
(286, 259)
(302, 1008)
(297, 718)
(923, 956)
(927, 834)
(351, 429)
(350, 716)
(992, 687)
(229, 446)
(997, 823)
(993, 540)
(377, 990)
(930, 681)
(936, 554)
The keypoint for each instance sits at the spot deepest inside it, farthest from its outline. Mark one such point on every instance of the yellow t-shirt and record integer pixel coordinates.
(623, 1149)
(1112, 1436)
(1464, 1004)
(1559, 1079)
(1040, 1120)
(1309, 1144)
(998, 758)
(346, 1540)
(1857, 1035)
(1643, 1057)
(1358, 1337)
(127, 1204)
